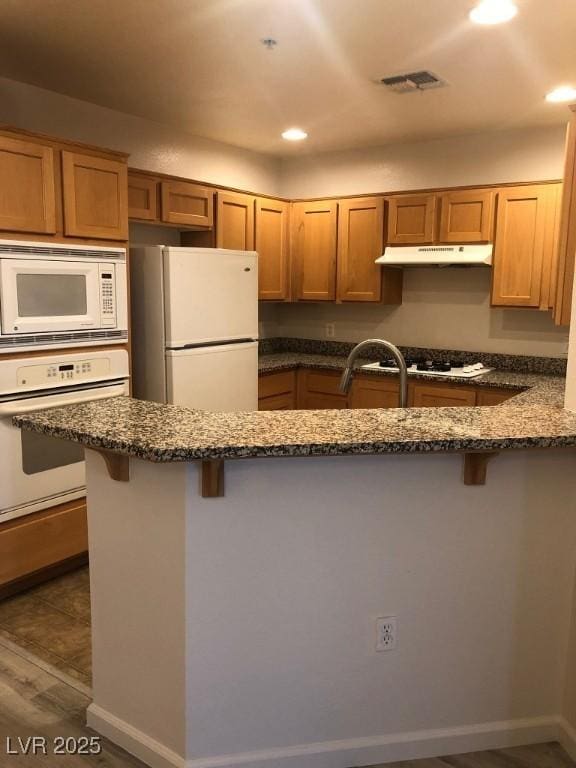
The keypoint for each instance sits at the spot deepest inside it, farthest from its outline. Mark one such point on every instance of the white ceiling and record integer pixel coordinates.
(199, 65)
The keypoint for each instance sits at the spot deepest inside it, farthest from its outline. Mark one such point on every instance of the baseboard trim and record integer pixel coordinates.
(137, 743)
(394, 747)
(567, 737)
(348, 752)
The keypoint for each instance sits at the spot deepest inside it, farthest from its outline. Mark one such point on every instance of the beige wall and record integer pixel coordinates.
(489, 158)
(151, 145)
(447, 308)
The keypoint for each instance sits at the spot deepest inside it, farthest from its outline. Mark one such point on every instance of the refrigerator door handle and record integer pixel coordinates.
(206, 344)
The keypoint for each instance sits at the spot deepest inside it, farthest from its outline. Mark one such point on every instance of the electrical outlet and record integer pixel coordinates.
(386, 633)
(329, 329)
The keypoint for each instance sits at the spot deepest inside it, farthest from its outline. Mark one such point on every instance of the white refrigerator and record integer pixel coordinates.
(195, 327)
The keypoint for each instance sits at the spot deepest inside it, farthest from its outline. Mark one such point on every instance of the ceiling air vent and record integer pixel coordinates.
(414, 81)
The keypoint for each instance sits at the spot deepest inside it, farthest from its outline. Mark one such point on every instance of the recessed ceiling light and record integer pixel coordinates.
(493, 12)
(294, 134)
(562, 93)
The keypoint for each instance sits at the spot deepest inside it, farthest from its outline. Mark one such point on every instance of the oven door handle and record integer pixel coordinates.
(42, 403)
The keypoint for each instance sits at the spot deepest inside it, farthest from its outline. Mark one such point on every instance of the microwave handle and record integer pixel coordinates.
(13, 409)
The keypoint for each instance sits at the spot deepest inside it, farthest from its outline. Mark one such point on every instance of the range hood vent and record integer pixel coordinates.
(436, 255)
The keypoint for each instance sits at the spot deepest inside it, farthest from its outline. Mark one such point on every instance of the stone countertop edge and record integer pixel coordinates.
(535, 418)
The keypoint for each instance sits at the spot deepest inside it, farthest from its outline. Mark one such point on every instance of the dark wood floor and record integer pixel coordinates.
(45, 665)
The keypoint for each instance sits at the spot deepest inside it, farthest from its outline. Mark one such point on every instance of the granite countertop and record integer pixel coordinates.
(166, 433)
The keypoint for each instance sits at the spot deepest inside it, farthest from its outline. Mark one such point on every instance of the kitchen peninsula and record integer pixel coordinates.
(253, 607)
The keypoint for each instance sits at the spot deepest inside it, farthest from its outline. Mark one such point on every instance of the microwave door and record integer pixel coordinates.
(48, 296)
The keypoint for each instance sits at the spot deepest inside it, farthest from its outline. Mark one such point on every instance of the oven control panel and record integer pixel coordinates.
(62, 372)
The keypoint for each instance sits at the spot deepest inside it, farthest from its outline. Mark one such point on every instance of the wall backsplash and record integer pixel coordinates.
(444, 308)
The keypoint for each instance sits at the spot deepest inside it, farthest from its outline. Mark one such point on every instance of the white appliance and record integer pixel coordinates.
(195, 327)
(38, 471)
(436, 255)
(459, 371)
(54, 296)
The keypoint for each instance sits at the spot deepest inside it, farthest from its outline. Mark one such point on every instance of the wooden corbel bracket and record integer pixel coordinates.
(118, 466)
(212, 478)
(475, 466)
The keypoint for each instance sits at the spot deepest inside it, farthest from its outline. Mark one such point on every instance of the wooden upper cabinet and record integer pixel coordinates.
(27, 198)
(95, 197)
(523, 245)
(191, 205)
(360, 242)
(235, 221)
(466, 216)
(314, 250)
(566, 253)
(411, 219)
(142, 198)
(272, 244)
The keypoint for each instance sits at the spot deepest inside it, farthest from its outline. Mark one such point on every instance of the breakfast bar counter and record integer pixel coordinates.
(253, 605)
(166, 433)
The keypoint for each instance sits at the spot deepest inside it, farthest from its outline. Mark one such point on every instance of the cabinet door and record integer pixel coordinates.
(27, 199)
(374, 392)
(466, 216)
(494, 396)
(441, 395)
(314, 250)
(142, 198)
(95, 197)
(318, 390)
(272, 243)
(235, 221)
(360, 242)
(411, 219)
(521, 245)
(277, 391)
(549, 286)
(188, 204)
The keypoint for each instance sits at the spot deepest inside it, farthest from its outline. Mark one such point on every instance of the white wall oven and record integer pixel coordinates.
(55, 296)
(38, 471)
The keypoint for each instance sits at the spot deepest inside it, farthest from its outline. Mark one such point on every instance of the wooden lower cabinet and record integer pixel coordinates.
(492, 396)
(374, 392)
(309, 389)
(277, 391)
(424, 395)
(30, 544)
(318, 390)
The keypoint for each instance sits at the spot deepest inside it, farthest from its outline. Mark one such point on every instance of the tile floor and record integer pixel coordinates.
(52, 621)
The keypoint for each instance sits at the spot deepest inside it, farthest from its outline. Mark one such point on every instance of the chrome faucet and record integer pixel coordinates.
(346, 379)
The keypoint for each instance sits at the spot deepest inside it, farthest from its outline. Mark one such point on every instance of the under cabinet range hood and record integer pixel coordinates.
(436, 255)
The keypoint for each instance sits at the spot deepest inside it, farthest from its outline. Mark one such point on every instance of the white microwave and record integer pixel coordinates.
(57, 296)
